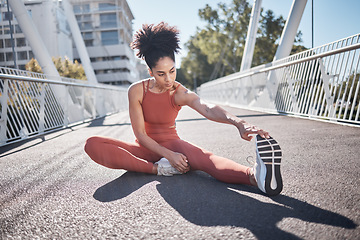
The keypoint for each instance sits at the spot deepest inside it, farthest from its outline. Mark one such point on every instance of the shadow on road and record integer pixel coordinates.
(204, 201)
(100, 122)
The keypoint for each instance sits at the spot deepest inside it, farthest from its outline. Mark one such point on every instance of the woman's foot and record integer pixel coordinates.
(252, 177)
(266, 170)
(164, 168)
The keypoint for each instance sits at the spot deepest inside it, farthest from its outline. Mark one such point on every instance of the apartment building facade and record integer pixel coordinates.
(106, 27)
(49, 18)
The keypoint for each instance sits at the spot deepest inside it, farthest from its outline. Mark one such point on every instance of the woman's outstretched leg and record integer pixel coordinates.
(117, 154)
(221, 168)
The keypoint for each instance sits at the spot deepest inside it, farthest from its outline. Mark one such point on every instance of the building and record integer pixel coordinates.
(52, 26)
(106, 27)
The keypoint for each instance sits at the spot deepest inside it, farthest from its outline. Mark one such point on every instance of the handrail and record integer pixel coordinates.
(31, 104)
(274, 65)
(306, 59)
(32, 79)
(319, 83)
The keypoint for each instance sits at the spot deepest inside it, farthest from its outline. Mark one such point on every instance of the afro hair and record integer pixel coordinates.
(156, 41)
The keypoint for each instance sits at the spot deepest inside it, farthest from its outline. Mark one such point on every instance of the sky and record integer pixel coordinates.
(333, 19)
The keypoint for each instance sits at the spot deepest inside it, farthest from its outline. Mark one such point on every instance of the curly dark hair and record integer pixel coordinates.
(156, 41)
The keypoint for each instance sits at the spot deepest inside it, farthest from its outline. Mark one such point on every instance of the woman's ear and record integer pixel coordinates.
(150, 72)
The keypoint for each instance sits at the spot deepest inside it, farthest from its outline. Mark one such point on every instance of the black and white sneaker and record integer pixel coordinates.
(267, 166)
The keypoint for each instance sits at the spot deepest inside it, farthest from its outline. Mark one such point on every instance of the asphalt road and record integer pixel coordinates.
(50, 189)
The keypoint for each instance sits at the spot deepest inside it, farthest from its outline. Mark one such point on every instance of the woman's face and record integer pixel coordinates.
(164, 73)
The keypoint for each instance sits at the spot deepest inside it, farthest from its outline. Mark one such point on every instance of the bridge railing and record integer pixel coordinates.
(32, 104)
(321, 83)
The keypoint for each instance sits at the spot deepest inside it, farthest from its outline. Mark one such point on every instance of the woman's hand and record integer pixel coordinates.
(179, 161)
(246, 130)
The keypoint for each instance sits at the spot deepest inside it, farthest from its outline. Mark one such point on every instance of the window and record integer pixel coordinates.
(108, 20)
(2, 57)
(7, 16)
(86, 18)
(87, 35)
(106, 6)
(6, 29)
(8, 43)
(77, 8)
(1, 43)
(20, 42)
(86, 8)
(9, 56)
(17, 29)
(88, 43)
(99, 71)
(85, 26)
(22, 55)
(22, 67)
(109, 38)
(81, 8)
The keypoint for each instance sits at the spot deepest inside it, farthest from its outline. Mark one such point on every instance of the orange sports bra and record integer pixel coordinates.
(160, 112)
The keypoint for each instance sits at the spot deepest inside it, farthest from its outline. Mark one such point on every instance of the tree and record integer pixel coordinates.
(269, 32)
(66, 68)
(194, 65)
(217, 50)
(345, 94)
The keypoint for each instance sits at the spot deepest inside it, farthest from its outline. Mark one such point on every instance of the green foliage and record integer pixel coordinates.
(217, 50)
(346, 94)
(33, 66)
(66, 68)
(270, 29)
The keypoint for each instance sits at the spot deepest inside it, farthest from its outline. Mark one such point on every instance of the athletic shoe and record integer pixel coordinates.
(267, 166)
(165, 169)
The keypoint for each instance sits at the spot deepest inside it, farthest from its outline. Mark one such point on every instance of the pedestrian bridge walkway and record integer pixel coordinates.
(51, 189)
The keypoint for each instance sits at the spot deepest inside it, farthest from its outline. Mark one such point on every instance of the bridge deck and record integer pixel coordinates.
(51, 189)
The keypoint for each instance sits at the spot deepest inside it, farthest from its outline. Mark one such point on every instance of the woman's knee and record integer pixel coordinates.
(91, 144)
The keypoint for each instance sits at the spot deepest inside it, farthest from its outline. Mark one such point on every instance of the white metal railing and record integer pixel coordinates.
(321, 83)
(31, 104)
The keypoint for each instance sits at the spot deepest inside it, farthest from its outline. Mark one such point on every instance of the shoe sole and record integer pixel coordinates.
(270, 153)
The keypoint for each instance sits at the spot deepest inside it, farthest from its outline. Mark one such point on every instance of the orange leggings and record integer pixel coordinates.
(117, 154)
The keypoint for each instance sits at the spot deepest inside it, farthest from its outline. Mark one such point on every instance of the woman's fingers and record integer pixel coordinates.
(184, 167)
(253, 130)
(181, 163)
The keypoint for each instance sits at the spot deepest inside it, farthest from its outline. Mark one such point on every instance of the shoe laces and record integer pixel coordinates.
(250, 160)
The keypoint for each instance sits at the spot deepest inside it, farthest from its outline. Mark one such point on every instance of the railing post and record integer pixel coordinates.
(93, 108)
(291, 85)
(4, 107)
(42, 109)
(329, 99)
(82, 102)
(66, 106)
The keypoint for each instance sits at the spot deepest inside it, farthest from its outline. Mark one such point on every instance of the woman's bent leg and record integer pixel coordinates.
(221, 168)
(116, 154)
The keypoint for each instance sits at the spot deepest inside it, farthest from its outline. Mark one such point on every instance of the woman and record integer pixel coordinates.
(153, 106)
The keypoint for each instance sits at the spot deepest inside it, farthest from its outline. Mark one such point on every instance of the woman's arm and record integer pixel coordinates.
(217, 114)
(135, 94)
